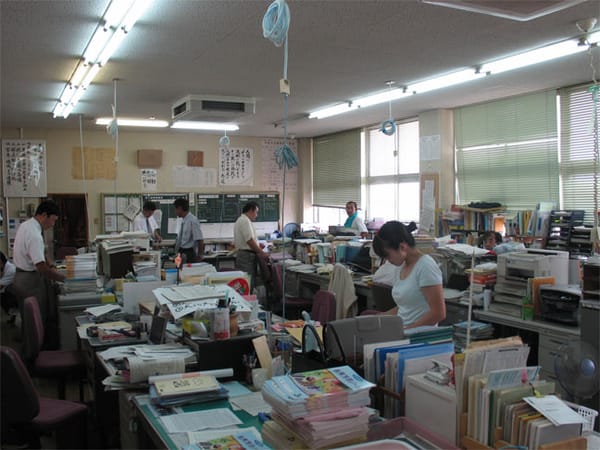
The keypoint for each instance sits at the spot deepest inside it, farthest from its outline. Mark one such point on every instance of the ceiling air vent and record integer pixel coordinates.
(205, 107)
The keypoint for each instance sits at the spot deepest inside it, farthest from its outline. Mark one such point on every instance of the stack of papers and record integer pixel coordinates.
(112, 246)
(322, 408)
(81, 266)
(182, 388)
(479, 331)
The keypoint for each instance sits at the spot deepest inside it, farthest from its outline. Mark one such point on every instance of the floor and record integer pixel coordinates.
(9, 336)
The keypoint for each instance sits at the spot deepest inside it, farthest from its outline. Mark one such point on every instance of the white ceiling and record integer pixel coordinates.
(338, 50)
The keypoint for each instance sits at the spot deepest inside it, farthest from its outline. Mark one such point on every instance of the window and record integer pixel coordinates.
(507, 151)
(391, 180)
(578, 150)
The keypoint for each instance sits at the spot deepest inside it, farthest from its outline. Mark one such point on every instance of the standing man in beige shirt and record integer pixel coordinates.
(246, 242)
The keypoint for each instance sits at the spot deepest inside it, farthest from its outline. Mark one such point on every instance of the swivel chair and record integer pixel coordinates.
(29, 415)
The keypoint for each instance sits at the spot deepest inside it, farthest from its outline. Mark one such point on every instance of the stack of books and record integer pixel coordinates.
(479, 332)
(319, 408)
(183, 388)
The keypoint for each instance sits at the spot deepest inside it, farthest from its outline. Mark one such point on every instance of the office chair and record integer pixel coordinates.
(296, 304)
(30, 415)
(323, 307)
(57, 364)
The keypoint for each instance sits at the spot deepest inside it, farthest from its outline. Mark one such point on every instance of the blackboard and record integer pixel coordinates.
(164, 204)
(226, 208)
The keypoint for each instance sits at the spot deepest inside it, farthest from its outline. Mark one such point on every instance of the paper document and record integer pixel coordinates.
(252, 403)
(554, 409)
(97, 311)
(200, 420)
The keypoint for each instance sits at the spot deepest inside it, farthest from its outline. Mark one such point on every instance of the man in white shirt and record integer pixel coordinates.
(146, 222)
(246, 242)
(33, 271)
(189, 241)
(354, 223)
(7, 277)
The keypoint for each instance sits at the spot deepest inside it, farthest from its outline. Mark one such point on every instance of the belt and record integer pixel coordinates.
(26, 271)
(244, 250)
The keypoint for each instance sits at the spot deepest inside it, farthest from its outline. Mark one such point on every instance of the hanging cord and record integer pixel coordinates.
(388, 127)
(87, 213)
(275, 25)
(594, 125)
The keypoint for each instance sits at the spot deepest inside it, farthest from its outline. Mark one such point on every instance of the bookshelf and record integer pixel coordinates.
(461, 221)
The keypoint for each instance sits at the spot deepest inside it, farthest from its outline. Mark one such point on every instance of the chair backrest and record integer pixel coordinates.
(33, 337)
(323, 307)
(20, 400)
(382, 297)
(264, 269)
(277, 277)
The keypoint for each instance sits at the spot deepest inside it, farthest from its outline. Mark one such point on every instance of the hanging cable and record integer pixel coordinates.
(594, 89)
(388, 127)
(275, 25)
(84, 181)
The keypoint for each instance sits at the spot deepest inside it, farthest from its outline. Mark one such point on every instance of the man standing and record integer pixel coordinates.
(246, 243)
(354, 223)
(145, 221)
(189, 241)
(34, 272)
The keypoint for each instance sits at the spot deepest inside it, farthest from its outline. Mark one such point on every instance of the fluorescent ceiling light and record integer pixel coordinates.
(382, 97)
(150, 123)
(67, 94)
(78, 94)
(58, 109)
(532, 57)
(452, 79)
(97, 43)
(332, 111)
(118, 19)
(90, 76)
(209, 126)
(134, 14)
(112, 45)
(116, 11)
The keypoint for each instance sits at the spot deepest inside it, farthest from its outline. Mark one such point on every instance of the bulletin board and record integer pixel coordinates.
(113, 206)
(24, 168)
(99, 163)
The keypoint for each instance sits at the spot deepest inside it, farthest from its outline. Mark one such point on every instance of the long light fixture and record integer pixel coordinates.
(117, 21)
(150, 123)
(208, 126)
(528, 58)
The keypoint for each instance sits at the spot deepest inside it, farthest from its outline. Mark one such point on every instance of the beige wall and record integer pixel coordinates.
(59, 144)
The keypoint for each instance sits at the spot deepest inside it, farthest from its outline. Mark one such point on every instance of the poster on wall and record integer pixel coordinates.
(24, 168)
(236, 166)
(194, 177)
(272, 175)
(149, 180)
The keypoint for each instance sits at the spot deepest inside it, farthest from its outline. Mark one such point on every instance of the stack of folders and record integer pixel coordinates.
(479, 331)
(429, 334)
(394, 361)
(183, 388)
(498, 410)
(318, 408)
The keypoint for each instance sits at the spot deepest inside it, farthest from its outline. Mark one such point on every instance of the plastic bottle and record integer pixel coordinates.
(220, 325)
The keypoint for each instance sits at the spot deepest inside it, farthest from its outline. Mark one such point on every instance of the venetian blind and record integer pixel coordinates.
(578, 159)
(336, 169)
(507, 151)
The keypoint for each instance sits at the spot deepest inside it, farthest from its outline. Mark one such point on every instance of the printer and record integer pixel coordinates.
(560, 303)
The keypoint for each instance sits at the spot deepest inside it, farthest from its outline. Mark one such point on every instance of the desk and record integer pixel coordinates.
(547, 337)
(152, 434)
